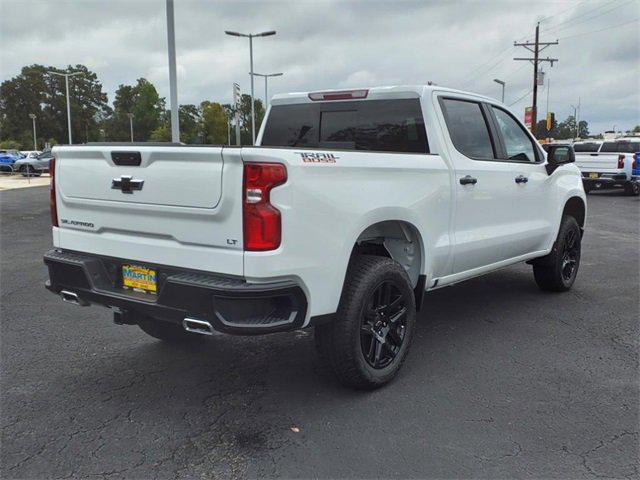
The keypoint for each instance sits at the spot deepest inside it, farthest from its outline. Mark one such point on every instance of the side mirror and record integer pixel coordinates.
(558, 155)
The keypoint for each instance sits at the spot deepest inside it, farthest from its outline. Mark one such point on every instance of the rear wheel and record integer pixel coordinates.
(557, 271)
(166, 331)
(369, 340)
(632, 188)
(587, 187)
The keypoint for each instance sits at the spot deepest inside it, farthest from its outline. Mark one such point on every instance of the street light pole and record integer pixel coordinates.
(66, 84)
(32, 116)
(500, 82)
(250, 36)
(266, 77)
(173, 85)
(130, 115)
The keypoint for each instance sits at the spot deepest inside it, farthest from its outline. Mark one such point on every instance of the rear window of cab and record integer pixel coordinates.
(393, 125)
(620, 147)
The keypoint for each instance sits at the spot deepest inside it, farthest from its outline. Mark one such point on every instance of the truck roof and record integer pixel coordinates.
(376, 93)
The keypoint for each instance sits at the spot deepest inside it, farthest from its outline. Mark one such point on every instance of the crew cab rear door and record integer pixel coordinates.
(493, 217)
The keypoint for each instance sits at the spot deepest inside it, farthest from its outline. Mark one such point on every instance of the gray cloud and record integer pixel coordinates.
(323, 44)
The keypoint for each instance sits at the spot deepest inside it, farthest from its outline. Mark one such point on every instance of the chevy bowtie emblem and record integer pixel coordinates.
(127, 184)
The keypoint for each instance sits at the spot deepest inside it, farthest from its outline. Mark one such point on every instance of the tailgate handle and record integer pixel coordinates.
(126, 159)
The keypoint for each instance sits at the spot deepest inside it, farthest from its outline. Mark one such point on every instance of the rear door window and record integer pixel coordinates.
(370, 125)
(468, 128)
(518, 144)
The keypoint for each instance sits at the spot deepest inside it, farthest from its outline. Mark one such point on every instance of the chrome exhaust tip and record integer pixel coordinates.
(72, 297)
(197, 326)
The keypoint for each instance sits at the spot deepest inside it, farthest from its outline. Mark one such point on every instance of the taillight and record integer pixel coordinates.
(261, 220)
(342, 95)
(52, 193)
(620, 161)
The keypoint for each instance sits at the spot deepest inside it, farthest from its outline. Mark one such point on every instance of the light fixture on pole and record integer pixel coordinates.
(32, 116)
(130, 115)
(500, 82)
(173, 81)
(66, 84)
(251, 36)
(266, 77)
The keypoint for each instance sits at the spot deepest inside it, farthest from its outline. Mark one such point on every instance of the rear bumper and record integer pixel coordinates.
(609, 179)
(229, 304)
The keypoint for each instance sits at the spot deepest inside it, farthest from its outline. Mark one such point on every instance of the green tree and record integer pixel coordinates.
(542, 132)
(36, 91)
(567, 129)
(190, 124)
(636, 129)
(214, 122)
(147, 107)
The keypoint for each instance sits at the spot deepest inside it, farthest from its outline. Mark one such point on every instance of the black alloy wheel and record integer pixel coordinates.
(570, 255)
(383, 325)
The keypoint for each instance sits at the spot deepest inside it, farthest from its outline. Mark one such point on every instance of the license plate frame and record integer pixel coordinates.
(594, 175)
(139, 278)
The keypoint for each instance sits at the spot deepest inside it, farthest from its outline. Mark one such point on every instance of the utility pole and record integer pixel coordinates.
(538, 46)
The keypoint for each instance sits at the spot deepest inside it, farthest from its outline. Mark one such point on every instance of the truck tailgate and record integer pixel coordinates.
(168, 205)
(597, 162)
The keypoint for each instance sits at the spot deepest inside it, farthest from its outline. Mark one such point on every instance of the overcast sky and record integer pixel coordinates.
(323, 44)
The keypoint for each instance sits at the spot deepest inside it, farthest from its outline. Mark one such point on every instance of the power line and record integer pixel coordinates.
(587, 12)
(574, 23)
(556, 15)
(602, 29)
(519, 99)
(484, 64)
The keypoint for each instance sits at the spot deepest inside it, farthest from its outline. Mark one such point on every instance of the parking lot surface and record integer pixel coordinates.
(503, 381)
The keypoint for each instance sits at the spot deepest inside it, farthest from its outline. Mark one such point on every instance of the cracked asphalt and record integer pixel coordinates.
(503, 381)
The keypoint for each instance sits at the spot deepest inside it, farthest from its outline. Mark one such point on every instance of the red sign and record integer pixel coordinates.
(528, 117)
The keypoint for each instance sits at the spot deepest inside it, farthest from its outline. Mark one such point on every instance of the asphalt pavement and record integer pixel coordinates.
(503, 380)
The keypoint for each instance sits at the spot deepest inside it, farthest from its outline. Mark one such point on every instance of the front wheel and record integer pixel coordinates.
(369, 340)
(557, 271)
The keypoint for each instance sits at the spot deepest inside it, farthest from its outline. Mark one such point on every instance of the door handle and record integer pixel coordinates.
(468, 180)
(521, 179)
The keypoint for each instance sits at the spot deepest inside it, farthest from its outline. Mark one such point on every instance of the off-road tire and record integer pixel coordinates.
(166, 331)
(550, 271)
(339, 343)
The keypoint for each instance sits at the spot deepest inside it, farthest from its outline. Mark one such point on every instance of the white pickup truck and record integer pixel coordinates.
(608, 164)
(350, 207)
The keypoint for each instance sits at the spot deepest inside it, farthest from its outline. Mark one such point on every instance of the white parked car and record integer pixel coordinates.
(609, 164)
(352, 206)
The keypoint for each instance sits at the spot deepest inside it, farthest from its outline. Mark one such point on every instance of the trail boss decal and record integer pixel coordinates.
(313, 157)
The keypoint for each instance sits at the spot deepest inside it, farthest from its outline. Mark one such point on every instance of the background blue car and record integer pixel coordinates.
(8, 158)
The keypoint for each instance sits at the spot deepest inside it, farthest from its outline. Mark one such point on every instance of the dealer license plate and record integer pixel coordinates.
(593, 175)
(139, 278)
